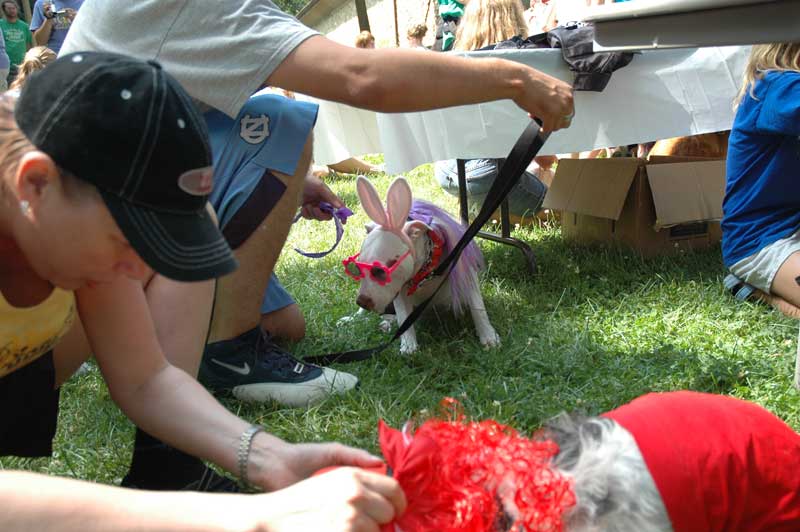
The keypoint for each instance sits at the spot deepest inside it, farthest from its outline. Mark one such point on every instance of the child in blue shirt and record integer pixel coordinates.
(761, 220)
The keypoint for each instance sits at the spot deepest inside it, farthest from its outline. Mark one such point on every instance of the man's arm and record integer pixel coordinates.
(42, 23)
(396, 80)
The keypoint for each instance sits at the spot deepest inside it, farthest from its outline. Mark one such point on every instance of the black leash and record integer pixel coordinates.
(523, 152)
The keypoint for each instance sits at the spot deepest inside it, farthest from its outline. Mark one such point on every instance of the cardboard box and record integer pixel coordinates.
(662, 206)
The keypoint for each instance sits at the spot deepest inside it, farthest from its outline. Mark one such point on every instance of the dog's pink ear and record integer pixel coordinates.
(415, 229)
(371, 202)
(398, 202)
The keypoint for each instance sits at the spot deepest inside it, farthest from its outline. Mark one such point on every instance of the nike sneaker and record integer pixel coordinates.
(254, 369)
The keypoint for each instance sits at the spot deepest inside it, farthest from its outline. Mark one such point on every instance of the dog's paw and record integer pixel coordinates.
(387, 323)
(408, 348)
(490, 339)
(346, 320)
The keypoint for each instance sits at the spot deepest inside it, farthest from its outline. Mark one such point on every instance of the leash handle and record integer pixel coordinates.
(525, 149)
(340, 216)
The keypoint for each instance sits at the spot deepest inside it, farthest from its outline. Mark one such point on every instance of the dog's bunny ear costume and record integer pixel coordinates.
(393, 217)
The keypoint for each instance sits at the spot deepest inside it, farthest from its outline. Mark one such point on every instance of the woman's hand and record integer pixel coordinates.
(342, 500)
(276, 464)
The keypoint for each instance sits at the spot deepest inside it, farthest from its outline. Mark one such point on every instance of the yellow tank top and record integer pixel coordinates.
(30, 332)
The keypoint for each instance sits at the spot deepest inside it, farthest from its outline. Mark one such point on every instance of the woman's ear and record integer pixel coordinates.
(36, 174)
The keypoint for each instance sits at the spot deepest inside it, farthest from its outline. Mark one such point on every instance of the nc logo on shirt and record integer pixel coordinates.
(254, 130)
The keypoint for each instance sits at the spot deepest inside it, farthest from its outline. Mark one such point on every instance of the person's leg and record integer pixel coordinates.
(239, 295)
(281, 317)
(258, 187)
(353, 165)
(786, 285)
(286, 324)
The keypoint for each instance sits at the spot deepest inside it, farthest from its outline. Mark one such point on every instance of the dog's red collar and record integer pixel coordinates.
(431, 263)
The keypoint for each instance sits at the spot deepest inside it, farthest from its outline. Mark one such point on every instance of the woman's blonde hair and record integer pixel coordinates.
(417, 31)
(364, 38)
(13, 143)
(488, 22)
(35, 59)
(766, 57)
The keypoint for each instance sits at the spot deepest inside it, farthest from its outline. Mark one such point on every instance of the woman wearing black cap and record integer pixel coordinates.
(104, 176)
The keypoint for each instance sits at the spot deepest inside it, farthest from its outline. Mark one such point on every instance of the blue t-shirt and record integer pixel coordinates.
(762, 194)
(61, 23)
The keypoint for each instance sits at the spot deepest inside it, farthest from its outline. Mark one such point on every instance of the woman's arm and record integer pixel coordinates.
(345, 500)
(401, 80)
(172, 406)
(38, 503)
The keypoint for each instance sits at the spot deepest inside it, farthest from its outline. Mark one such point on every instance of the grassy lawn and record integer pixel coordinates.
(594, 329)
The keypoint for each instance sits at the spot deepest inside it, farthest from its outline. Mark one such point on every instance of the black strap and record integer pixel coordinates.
(523, 152)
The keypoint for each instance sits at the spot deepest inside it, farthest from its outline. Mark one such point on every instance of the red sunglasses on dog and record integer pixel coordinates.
(378, 272)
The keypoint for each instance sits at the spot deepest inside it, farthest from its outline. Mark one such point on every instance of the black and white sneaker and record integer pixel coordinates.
(255, 370)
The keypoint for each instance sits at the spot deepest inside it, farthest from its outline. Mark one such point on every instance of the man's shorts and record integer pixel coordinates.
(268, 135)
(29, 409)
(760, 268)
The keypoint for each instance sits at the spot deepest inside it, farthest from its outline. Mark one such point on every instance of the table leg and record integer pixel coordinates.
(505, 222)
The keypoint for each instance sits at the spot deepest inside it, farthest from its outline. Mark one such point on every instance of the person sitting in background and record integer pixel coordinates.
(761, 209)
(35, 59)
(365, 40)
(415, 34)
(487, 22)
(16, 34)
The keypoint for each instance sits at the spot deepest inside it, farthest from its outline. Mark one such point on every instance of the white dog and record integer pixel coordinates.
(406, 241)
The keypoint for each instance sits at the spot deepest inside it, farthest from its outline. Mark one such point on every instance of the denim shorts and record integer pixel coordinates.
(524, 199)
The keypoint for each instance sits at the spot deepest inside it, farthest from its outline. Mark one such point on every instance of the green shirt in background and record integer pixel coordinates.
(18, 37)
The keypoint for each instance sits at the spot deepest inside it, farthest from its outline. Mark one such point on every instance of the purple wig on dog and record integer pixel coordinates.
(471, 259)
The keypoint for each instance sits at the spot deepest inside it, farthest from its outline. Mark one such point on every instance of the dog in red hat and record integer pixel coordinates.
(666, 462)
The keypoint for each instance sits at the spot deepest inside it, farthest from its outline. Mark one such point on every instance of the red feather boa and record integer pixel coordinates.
(461, 476)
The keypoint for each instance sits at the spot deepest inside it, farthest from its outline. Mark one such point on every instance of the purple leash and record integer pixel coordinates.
(340, 216)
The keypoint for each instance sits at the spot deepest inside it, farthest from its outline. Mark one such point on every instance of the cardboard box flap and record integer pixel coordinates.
(687, 192)
(596, 187)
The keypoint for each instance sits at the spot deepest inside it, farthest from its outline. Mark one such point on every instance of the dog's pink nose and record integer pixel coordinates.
(365, 302)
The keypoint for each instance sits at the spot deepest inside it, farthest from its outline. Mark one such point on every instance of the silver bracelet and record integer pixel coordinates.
(245, 443)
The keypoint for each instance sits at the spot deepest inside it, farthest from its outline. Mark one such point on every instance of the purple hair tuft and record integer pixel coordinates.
(462, 282)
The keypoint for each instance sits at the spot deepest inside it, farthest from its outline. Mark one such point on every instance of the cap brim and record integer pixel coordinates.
(183, 247)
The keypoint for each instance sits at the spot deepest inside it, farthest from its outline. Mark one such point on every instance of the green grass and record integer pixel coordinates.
(594, 329)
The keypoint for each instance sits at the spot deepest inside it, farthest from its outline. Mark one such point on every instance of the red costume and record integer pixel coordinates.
(719, 463)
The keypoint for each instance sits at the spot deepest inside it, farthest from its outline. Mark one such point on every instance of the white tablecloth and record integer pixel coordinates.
(660, 94)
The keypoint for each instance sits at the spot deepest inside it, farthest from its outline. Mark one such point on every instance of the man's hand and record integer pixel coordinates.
(546, 98)
(315, 191)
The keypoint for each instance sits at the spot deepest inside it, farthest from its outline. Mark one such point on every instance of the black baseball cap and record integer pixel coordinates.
(129, 128)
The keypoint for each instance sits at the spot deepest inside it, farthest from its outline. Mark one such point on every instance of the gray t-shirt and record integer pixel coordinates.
(221, 51)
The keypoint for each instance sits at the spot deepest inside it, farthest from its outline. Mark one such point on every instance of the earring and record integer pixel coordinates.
(25, 207)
